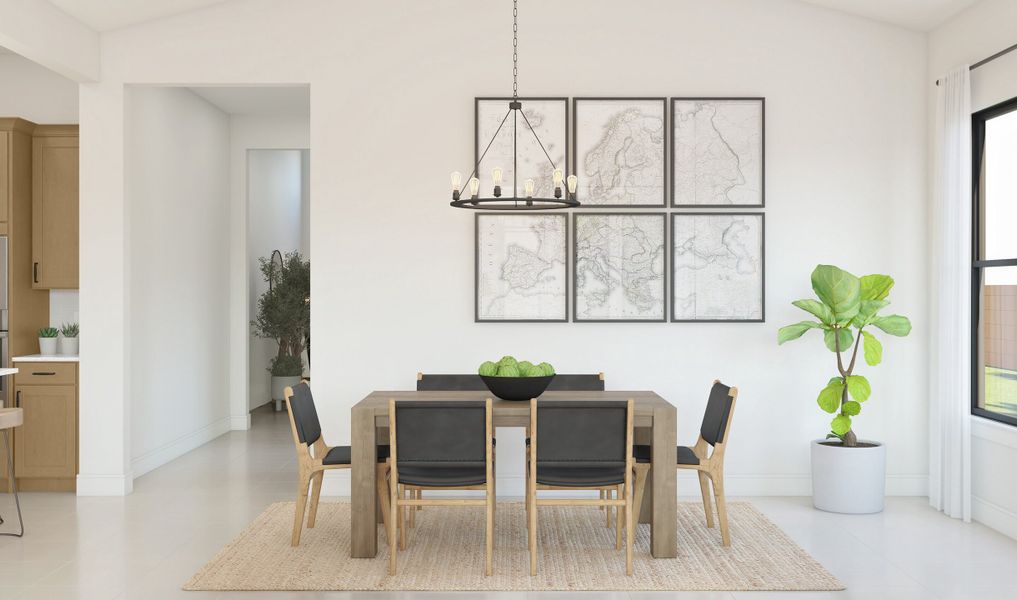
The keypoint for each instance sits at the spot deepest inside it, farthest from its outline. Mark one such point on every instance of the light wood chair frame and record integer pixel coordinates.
(623, 503)
(710, 470)
(399, 501)
(311, 472)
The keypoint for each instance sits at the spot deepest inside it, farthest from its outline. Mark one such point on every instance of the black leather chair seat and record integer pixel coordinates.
(578, 476)
(452, 475)
(686, 456)
(342, 455)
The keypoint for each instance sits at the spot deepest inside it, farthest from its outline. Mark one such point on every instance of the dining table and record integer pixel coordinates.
(655, 423)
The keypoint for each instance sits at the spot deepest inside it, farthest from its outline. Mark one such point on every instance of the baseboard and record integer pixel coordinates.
(995, 516)
(337, 483)
(180, 446)
(104, 485)
(240, 422)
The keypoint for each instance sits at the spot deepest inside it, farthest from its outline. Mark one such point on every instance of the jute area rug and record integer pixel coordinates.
(445, 552)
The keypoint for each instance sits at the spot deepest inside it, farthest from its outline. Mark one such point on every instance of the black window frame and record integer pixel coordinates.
(978, 121)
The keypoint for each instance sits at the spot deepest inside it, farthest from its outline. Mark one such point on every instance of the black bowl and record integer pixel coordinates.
(517, 388)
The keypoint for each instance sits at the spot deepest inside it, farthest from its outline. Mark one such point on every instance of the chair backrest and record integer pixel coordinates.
(719, 409)
(436, 433)
(473, 383)
(303, 416)
(582, 433)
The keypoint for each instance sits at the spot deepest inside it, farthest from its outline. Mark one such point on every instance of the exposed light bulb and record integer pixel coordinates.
(557, 178)
(573, 183)
(457, 181)
(474, 186)
(496, 175)
(528, 186)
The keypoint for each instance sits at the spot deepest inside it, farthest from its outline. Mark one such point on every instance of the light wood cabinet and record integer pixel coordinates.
(5, 175)
(55, 207)
(46, 446)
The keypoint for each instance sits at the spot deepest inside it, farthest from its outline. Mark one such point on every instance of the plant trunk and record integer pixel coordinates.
(850, 440)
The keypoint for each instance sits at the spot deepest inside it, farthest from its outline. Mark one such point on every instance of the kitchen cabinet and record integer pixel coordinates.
(55, 207)
(46, 446)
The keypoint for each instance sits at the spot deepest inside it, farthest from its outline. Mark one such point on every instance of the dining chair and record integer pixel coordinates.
(314, 458)
(580, 445)
(713, 433)
(438, 445)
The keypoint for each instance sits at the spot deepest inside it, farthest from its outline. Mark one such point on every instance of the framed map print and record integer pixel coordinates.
(717, 267)
(619, 151)
(717, 152)
(549, 119)
(620, 267)
(522, 267)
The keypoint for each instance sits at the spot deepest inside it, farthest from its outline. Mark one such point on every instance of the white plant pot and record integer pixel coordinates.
(48, 346)
(69, 346)
(848, 480)
(279, 385)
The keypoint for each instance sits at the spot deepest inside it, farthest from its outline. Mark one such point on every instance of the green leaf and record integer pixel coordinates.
(829, 398)
(841, 424)
(834, 436)
(838, 289)
(834, 380)
(793, 332)
(846, 339)
(872, 348)
(851, 408)
(816, 309)
(875, 287)
(894, 325)
(867, 310)
(859, 387)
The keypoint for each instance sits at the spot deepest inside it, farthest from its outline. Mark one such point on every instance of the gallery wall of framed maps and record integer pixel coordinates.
(671, 226)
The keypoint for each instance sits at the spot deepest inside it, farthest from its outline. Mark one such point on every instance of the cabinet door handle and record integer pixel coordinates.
(35, 272)
(17, 399)
(43, 372)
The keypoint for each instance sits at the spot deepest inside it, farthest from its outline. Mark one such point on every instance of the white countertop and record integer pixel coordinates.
(5, 372)
(46, 358)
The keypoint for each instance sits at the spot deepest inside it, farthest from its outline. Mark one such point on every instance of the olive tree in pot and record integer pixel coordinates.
(284, 314)
(848, 474)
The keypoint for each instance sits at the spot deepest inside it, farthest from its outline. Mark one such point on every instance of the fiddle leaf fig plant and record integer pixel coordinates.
(847, 309)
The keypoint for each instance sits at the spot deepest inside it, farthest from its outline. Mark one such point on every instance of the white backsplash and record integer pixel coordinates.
(63, 307)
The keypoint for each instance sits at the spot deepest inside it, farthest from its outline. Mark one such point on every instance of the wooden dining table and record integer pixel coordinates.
(655, 422)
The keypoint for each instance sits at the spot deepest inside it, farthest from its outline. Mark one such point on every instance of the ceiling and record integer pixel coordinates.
(261, 101)
(104, 15)
(922, 15)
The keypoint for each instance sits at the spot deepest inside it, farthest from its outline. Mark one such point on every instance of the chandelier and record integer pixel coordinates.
(564, 187)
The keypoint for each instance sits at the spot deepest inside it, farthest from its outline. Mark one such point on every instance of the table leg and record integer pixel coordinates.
(644, 437)
(664, 483)
(363, 494)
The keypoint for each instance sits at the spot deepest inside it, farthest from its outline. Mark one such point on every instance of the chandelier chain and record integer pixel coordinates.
(515, 49)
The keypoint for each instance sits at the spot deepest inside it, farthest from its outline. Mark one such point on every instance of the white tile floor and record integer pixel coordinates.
(145, 546)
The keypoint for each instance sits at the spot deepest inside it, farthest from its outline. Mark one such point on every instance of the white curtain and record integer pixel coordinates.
(950, 381)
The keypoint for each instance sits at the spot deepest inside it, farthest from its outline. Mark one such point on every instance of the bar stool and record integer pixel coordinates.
(9, 419)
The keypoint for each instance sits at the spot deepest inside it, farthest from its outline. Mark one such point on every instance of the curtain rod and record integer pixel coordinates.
(990, 58)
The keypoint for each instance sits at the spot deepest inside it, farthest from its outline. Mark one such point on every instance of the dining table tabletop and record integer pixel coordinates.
(655, 423)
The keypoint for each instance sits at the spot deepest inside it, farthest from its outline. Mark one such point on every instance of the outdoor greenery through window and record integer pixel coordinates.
(994, 275)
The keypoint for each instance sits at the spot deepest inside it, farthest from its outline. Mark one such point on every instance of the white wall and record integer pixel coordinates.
(275, 212)
(178, 276)
(392, 275)
(981, 31)
(246, 132)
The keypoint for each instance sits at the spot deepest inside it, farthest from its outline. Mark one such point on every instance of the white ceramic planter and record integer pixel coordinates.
(848, 480)
(69, 346)
(48, 346)
(279, 385)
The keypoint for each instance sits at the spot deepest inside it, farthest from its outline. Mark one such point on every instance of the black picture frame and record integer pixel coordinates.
(477, 142)
(665, 169)
(762, 146)
(762, 265)
(476, 265)
(575, 271)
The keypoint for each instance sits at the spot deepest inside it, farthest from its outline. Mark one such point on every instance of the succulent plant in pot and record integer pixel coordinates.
(848, 474)
(69, 339)
(48, 340)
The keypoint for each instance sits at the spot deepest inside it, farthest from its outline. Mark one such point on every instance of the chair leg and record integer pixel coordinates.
(605, 494)
(414, 494)
(718, 491)
(402, 519)
(533, 532)
(381, 483)
(393, 509)
(629, 530)
(618, 517)
(316, 481)
(704, 487)
(298, 514)
(490, 530)
(640, 486)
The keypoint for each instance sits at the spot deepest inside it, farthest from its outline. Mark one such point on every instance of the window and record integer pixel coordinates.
(994, 272)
